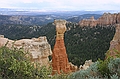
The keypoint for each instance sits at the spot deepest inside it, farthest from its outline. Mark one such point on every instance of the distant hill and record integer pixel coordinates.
(41, 19)
(84, 16)
(26, 20)
(37, 17)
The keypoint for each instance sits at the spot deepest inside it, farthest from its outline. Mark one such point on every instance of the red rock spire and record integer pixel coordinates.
(59, 56)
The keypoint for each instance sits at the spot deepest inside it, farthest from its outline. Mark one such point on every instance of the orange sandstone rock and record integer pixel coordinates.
(59, 56)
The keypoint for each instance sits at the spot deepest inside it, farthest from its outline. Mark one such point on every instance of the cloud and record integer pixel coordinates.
(62, 4)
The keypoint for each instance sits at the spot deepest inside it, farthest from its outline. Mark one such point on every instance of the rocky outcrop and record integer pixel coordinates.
(88, 22)
(59, 56)
(5, 41)
(114, 49)
(38, 48)
(73, 68)
(118, 18)
(86, 65)
(105, 19)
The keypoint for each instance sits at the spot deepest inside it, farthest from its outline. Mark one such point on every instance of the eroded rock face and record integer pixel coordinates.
(114, 44)
(88, 22)
(59, 56)
(38, 48)
(118, 18)
(105, 19)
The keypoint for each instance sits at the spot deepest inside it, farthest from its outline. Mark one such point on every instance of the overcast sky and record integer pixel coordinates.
(61, 5)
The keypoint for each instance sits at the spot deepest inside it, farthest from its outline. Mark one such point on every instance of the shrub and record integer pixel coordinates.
(60, 76)
(114, 76)
(92, 77)
(92, 71)
(44, 72)
(114, 66)
(103, 67)
(82, 74)
(14, 64)
(107, 69)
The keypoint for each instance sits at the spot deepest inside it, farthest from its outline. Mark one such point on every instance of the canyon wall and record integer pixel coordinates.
(114, 49)
(88, 22)
(105, 19)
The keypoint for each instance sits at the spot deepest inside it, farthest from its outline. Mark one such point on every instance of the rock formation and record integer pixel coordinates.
(38, 48)
(73, 68)
(4, 41)
(105, 19)
(59, 56)
(86, 65)
(88, 22)
(118, 18)
(115, 44)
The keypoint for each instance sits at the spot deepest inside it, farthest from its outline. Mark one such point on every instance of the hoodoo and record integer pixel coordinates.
(59, 56)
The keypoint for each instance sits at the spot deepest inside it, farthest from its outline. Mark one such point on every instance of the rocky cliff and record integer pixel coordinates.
(105, 19)
(114, 49)
(88, 22)
(38, 48)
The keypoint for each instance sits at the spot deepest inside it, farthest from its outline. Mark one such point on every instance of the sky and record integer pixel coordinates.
(62, 5)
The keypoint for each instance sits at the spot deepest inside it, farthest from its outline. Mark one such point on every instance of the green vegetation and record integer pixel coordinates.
(15, 65)
(107, 69)
(84, 43)
(101, 69)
